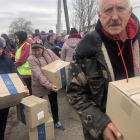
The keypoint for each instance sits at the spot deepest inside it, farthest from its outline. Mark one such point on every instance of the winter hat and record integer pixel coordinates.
(37, 31)
(62, 35)
(49, 36)
(44, 37)
(50, 31)
(36, 43)
(1, 43)
(42, 32)
(73, 30)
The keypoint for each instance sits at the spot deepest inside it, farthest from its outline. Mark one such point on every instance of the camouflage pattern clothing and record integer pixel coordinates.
(89, 75)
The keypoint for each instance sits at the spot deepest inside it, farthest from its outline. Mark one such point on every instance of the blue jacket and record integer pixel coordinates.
(60, 44)
(7, 66)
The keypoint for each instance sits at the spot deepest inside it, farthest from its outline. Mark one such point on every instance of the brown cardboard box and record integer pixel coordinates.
(123, 107)
(44, 131)
(11, 90)
(33, 111)
(73, 114)
(57, 73)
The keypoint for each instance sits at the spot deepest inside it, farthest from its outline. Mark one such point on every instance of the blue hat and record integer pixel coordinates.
(1, 43)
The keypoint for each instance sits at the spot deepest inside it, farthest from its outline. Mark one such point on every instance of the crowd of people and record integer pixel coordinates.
(109, 53)
(26, 55)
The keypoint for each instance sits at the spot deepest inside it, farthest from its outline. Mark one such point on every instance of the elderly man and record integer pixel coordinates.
(109, 53)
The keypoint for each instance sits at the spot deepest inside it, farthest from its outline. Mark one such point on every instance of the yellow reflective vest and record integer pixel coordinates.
(24, 68)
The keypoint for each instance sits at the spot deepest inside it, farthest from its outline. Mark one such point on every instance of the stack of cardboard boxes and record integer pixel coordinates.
(33, 112)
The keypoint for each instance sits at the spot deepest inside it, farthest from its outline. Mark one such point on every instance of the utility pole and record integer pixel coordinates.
(66, 16)
(59, 18)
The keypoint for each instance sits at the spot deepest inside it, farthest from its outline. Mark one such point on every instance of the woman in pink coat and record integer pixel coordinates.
(70, 45)
(41, 86)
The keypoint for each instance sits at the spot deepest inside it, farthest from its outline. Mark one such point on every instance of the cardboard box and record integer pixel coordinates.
(11, 90)
(123, 107)
(57, 73)
(73, 114)
(44, 131)
(33, 111)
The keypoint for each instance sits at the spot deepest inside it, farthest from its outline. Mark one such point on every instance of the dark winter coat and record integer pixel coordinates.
(8, 66)
(89, 75)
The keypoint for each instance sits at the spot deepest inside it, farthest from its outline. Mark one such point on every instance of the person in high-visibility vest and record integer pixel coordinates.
(21, 58)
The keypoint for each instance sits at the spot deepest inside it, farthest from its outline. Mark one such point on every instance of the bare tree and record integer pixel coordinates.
(21, 24)
(83, 13)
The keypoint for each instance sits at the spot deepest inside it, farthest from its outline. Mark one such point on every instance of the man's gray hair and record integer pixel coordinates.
(100, 4)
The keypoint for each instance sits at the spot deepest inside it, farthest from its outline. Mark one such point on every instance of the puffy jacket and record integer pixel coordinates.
(68, 49)
(41, 86)
(8, 66)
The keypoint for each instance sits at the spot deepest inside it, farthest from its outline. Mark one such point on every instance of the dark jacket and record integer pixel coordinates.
(89, 75)
(8, 66)
(48, 45)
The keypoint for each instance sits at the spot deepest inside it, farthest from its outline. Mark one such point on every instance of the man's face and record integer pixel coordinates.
(38, 52)
(51, 40)
(114, 15)
(1, 51)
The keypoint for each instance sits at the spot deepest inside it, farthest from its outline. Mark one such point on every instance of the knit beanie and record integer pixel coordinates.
(44, 37)
(42, 32)
(50, 31)
(73, 30)
(1, 43)
(36, 43)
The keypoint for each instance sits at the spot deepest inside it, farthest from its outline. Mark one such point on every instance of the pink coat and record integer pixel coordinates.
(69, 48)
(41, 86)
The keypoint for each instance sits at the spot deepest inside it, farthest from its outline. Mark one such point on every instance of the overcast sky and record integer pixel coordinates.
(42, 13)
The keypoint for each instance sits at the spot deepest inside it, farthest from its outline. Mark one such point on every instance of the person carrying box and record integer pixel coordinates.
(6, 66)
(109, 53)
(41, 86)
